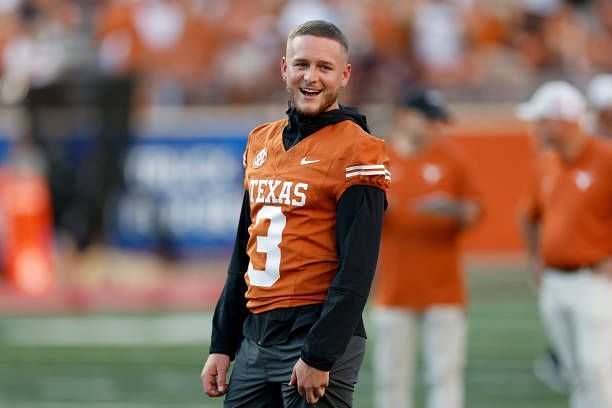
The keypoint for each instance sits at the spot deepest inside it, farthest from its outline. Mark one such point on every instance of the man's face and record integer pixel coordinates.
(552, 132)
(314, 70)
(413, 130)
(410, 127)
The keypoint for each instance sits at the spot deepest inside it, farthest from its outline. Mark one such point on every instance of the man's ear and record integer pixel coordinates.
(346, 75)
(283, 68)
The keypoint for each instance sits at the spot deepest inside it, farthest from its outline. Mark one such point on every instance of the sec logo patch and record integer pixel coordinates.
(260, 159)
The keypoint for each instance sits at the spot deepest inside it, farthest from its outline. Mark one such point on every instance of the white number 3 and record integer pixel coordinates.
(269, 245)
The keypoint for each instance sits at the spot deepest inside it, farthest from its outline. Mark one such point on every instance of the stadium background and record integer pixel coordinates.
(122, 125)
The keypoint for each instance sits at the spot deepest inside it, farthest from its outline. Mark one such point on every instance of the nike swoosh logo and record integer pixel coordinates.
(304, 161)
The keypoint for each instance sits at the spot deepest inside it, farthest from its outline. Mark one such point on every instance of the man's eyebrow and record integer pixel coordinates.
(319, 62)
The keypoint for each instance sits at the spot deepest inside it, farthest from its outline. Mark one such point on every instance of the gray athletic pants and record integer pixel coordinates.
(261, 375)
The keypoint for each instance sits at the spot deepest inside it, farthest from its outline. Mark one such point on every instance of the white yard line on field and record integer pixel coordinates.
(170, 329)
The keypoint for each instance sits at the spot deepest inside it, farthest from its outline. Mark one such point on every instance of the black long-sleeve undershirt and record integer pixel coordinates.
(331, 324)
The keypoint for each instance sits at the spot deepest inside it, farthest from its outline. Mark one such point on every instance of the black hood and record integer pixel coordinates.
(301, 126)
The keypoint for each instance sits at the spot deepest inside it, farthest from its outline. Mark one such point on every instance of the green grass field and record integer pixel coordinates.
(111, 361)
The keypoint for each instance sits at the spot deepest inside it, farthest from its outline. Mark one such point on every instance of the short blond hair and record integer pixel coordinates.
(321, 28)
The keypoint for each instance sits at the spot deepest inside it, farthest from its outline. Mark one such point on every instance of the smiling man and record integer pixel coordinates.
(307, 242)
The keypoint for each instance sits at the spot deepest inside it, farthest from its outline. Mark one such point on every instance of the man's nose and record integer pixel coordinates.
(311, 75)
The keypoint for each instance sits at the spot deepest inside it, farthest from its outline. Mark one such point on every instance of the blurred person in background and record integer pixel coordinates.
(547, 368)
(599, 94)
(419, 286)
(33, 49)
(439, 40)
(168, 43)
(567, 224)
(252, 43)
(599, 46)
(539, 25)
(388, 65)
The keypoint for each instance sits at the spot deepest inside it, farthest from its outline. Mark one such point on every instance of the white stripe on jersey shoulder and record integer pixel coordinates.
(366, 167)
(368, 170)
(384, 172)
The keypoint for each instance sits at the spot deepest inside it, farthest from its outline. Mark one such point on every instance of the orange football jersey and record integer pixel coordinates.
(293, 197)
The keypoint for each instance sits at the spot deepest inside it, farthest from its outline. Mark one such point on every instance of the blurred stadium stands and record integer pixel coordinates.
(134, 115)
(186, 52)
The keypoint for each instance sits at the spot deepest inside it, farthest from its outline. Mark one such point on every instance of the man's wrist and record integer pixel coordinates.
(604, 267)
(319, 365)
(221, 350)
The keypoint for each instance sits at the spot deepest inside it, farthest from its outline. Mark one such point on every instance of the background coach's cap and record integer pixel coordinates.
(428, 102)
(599, 92)
(554, 100)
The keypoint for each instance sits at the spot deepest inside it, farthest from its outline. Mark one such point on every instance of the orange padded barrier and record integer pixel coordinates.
(26, 232)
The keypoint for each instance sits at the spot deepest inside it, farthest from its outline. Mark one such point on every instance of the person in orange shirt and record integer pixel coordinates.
(567, 224)
(419, 285)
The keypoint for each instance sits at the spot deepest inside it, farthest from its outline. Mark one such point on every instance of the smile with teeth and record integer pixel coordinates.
(310, 91)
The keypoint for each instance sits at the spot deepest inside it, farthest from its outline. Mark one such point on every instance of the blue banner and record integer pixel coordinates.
(182, 195)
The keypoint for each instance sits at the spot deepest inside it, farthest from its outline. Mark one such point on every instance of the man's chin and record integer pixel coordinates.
(308, 110)
(311, 109)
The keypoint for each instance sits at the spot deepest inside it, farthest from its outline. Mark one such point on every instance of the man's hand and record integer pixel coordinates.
(437, 203)
(311, 382)
(604, 268)
(442, 204)
(214, 375)
(536, 269)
